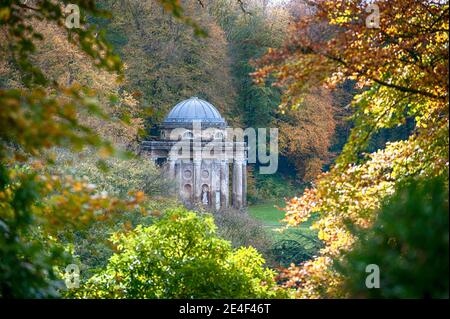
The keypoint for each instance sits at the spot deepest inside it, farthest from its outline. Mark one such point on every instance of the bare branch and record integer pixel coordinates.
(201, 3)
(242, 6)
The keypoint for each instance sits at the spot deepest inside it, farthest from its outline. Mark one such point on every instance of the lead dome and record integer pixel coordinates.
(194, 109)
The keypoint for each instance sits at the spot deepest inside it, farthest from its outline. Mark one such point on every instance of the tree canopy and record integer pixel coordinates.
(402, 70)
(358, 90)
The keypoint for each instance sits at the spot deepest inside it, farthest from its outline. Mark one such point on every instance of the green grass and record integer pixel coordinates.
(306, 238)
(270, 216)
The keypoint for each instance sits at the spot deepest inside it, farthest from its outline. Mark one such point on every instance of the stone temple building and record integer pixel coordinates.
(196, 151)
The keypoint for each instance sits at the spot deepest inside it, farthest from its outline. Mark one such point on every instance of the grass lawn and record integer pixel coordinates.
(293, 244)
(270, 216)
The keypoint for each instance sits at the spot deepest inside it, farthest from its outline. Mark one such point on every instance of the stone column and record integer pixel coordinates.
(244, 183)
(171, 162)
(179, 174)
(238, 172)
(197, 181)
(215, 184)
(238, 181)
(197, 163)
(224, 191)
(233, 184)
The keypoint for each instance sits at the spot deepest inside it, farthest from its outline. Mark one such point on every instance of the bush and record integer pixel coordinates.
(117, 176)
(409, 242)
(262, 188)
(180, 256)
(242, 230)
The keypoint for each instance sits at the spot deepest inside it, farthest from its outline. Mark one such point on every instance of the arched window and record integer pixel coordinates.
(187, 193)
(187, 189)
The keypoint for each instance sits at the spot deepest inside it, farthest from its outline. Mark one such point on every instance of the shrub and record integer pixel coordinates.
(263, 188)
(242, 230)
(409, 243)
(117, 176)
(180, 256)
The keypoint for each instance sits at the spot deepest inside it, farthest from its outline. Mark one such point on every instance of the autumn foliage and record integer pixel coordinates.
(306, 134)
(68, 104)
(401, 69)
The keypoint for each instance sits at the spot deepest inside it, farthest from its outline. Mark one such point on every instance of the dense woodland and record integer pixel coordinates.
(362, 114)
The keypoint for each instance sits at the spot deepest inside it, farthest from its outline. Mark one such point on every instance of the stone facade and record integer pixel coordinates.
(194, 150)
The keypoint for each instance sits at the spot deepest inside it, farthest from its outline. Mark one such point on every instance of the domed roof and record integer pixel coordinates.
(187, 111)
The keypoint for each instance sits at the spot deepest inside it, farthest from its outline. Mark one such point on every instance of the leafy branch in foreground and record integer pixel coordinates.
(35, 116)
(409, 244)
(402, 71)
